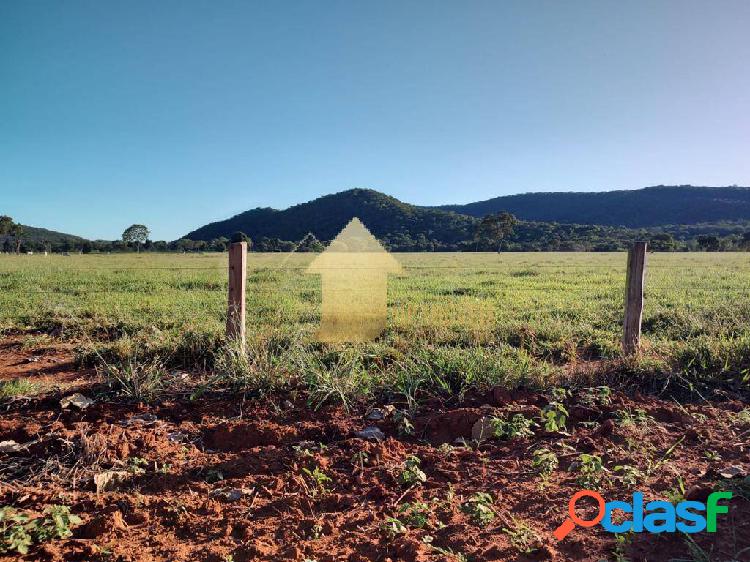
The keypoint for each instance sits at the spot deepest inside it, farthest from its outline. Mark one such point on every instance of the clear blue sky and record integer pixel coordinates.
(176, 113)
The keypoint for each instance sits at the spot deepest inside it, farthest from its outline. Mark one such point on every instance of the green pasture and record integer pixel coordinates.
(464, 318)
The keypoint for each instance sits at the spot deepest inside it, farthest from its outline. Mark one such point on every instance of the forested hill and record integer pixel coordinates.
(35, 234)
(35, 238)
(388, 217)
(637, 208)
(385, 216)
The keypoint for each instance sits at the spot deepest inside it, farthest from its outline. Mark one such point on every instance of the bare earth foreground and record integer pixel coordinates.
(218, 478)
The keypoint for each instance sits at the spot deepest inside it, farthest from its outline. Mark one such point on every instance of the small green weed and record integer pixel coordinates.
(743, 417)
(518, 426)
(712, 456)
(137, 465)
(544, 462)
(411, 473)
(18, 532)
(622, 542)
(523, 538)
(628, 475)
(393, 526)
(359, 460)
(415, 514)
(596, 396)
(449, 553)
(403, 423)
(319, 481)
(479, 508)
(554, 416)
(590, 471)
(676, 493)
(637, 417)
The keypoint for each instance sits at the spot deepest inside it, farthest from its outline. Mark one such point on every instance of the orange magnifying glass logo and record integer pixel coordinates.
(569, 524)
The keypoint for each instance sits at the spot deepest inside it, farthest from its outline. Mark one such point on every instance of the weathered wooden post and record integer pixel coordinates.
(631, 338)
(237, 281)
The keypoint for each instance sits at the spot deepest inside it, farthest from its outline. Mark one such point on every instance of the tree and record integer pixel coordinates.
(6, 223)
(136, 234)
(219, 244)
(184, 245)
(493, 229)
(310, 244)
(709, 243)
(16, 231)
(662, 242)
(240, 236)
(13, 230)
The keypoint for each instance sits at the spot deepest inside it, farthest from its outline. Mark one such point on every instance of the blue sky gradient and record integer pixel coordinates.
(177, 113)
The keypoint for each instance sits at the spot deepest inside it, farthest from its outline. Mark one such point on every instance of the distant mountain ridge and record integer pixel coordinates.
(548, 221)
(397, 222)
(637, 208)
(43, 235)
(384, 216)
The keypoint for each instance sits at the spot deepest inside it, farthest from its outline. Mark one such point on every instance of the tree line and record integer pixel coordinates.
(495, 232)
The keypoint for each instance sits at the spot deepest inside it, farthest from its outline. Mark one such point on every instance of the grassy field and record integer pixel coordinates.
(456, 321)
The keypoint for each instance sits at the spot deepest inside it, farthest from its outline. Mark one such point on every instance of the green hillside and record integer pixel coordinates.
(405, 227)
(637, 208)
(35, 234)
(385, 216)
(38, 239)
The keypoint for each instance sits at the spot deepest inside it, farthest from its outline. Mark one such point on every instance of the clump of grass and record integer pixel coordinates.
(254, 369)
(35, 342)
(143, 380)
(17, 387)
(332, 377)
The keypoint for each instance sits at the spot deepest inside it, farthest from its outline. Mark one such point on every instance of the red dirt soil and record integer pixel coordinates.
(222, 478)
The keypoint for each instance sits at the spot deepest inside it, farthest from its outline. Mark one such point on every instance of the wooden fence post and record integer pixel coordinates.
(631, 338)
(237, 280)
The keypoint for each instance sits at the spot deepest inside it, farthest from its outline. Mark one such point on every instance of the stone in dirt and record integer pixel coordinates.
(145, 419)
(178, 437)
(103, 524)
(734, 471)
(605, 429)
(482, 429)
(371, 432)
(230, 494)
(110, 480)
(376, 414)
(78, 400)
(11, 447)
